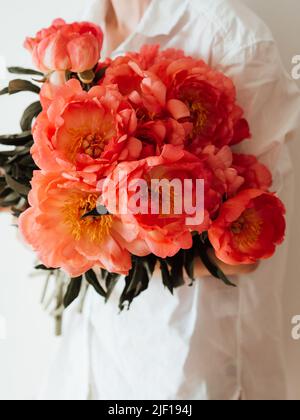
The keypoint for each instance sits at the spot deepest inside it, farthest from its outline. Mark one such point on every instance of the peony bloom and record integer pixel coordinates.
(75, 47)
(164, 232)
(150, 56)
(57, 230)
(84, 131)
(145, 90)
(206, 98)
(154, 135)
(249, 228)
(227, 181)
(256, 174)
(122, 72)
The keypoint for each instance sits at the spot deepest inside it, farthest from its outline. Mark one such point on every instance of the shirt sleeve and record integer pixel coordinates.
(271, 102)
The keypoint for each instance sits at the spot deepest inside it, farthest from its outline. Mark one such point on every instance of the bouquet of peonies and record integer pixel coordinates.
(126, 165)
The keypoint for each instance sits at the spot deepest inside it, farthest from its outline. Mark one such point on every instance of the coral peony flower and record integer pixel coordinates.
(122, 72)
(256, 174)
(75, 47)
(57, 230)
(84, 131)
(207, 98)
(150, 56)
(154, 135)
(248, 228)
(145, 90)
(227, 180)
(165, 230)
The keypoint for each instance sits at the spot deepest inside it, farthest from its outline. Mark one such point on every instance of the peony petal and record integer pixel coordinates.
(178, 109)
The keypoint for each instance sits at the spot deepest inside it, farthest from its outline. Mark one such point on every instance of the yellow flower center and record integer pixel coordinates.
(247, 229)
(200, 116)
(92, 145)
(96, 228)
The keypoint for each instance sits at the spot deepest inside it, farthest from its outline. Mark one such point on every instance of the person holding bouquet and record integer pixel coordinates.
(193, 89)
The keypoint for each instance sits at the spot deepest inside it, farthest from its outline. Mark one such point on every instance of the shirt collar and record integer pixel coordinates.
(161, 17)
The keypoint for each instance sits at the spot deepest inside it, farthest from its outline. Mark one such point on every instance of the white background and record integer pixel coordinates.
(29, 345)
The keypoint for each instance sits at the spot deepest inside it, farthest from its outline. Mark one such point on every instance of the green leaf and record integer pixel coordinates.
(15, 212)
(72, 291)
(166, 277)
(4, 91)
(16, 186)
(29, 114)
(189, 263)
(16, 139)
(19, 154)
(204, 238)
(213, 269)
(19, 85)
(177, 264)
(111, 281)
(7, 153)
(9, 201)
(150, 262)
(70, 75)
(28, 163)
(92, 279)
(104, 274)
(21, 70)
(136, 282)
(5, 192)
(44, 268)
(100, 74)
(3, 183)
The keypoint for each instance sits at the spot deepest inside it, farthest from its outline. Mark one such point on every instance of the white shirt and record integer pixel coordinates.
(208, 341)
